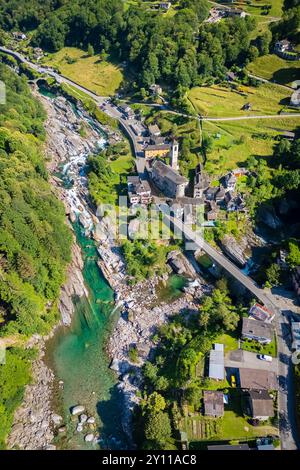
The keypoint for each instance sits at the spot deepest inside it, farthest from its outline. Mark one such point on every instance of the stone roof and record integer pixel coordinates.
(257, 328)
(213, 403)
(158, 147)
(154, 129)
(166, 171)
(257, 379)
(261, 403)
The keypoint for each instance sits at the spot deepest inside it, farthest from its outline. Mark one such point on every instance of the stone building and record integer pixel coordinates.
(169, 181)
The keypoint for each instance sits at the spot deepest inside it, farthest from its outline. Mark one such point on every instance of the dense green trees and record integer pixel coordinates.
(34, 241)
(14, 375)
(144, 259)
(179, 49)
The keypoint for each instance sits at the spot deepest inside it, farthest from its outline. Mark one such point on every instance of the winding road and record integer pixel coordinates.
(288, 428)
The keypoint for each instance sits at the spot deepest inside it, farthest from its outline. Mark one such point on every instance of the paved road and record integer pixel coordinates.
(264, 80)
(249, 360)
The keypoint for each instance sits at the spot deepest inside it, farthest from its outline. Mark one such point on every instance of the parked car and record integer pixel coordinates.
(265, 357)
(233, 381)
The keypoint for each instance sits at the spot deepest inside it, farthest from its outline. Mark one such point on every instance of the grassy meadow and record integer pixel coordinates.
(234, 141)
(272, 67)
(101, 77)
(223, 101)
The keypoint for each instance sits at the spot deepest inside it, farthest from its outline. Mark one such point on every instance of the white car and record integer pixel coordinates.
(264, 357)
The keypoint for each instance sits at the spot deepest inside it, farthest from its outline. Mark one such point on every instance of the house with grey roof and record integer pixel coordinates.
(261, 404)
(213, 403)
(257, 330)
(257, 379)
(154, 130)
(201, 182)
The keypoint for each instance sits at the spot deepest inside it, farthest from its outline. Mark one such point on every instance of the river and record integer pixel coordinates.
(77, 353)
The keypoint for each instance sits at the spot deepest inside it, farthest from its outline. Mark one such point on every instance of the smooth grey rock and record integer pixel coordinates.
(78, 409)
(83, 418)
(89, 438)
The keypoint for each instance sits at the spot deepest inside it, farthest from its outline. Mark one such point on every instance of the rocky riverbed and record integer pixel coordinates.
(34, 421)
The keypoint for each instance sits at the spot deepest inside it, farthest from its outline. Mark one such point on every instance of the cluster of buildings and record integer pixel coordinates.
(256, 385)
(222, 196)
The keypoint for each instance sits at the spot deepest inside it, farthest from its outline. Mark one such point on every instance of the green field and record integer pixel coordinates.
(104, 78)
(234, 141)
(272, 67)
(223, 101)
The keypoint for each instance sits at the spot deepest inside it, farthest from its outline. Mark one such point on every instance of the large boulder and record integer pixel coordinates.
(235, 249)
(267, 215)
(78, 409)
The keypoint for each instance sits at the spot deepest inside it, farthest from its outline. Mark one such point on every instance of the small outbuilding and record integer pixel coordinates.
(213, 403)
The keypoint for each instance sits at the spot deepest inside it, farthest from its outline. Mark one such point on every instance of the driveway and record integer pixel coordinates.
(248, 360)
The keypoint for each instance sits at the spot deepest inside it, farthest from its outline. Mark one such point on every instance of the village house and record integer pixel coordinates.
(261, 404)
(257, 330)
(234, 203)
(295, 98)
(19, 36)
(231, 76)
(210, 194)
(235, 12)
(139, 191)
(257, 379)
(281, 259)
(230, 181)
(38, 53)
(212, 211)
(213, 403)
(216, 362)
(282, 46)
(201, 182)
(238, 172)
(165, 6)
(220, 195)
(154, 130)
(127, 111)
(168, 180)
(155, 89)
(259, 312)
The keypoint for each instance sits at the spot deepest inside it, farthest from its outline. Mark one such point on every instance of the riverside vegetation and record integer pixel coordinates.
(35, 242)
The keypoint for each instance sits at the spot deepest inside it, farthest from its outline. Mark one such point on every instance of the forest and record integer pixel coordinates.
(35, 242)
(180, 50)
